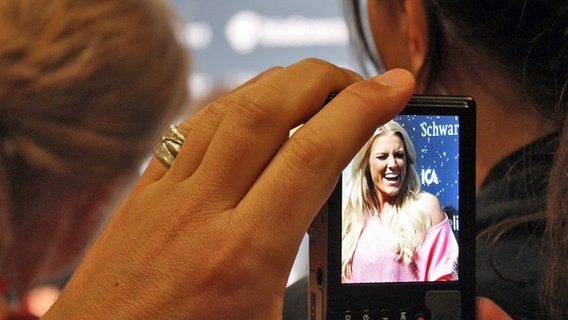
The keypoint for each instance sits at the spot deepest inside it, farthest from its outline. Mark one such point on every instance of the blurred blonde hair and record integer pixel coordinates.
(85, 86)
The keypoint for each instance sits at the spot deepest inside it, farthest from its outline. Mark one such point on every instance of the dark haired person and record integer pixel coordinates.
(512, 57)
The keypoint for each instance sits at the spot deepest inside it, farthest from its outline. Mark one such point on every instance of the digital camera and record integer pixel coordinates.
(395, 240)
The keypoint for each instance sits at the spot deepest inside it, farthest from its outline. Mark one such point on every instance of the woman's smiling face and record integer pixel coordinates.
(387, 163)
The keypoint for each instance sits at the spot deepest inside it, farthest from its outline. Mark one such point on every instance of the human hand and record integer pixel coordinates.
(216, 234)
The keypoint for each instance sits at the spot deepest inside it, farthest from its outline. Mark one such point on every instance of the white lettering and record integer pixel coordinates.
(456, 222)
(437, 130)
(429, 177)
(247, 30)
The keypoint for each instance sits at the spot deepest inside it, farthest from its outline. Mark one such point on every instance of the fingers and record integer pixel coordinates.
(304, 172)
(238, 147)
(257, 123)
(198, 130)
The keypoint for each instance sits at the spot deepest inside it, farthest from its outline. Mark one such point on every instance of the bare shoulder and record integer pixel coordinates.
(432, 205)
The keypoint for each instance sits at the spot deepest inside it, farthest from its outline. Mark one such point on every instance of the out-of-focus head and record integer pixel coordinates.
(525, 41)
(85, 86)
(512, 53)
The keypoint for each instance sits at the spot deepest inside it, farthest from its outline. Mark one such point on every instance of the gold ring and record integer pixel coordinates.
(170, 144)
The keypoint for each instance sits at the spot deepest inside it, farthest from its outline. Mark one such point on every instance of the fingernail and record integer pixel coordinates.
(394, 78)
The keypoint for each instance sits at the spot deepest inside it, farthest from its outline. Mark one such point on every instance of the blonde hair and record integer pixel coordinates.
(409, 222)
(86, 86)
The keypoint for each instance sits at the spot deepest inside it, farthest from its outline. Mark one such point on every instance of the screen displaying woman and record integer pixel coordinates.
(392, 230)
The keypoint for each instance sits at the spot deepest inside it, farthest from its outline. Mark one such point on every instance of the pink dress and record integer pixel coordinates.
(375, 261)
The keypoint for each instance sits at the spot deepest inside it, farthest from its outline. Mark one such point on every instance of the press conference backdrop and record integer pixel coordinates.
(231, 41)
(436, 142)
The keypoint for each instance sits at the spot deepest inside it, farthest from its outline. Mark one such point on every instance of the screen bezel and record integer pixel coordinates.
(411, 294)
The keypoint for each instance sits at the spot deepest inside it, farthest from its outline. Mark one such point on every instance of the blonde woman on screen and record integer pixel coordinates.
(392, 231)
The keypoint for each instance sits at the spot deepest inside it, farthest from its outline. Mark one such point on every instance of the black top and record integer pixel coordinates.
(507, 270)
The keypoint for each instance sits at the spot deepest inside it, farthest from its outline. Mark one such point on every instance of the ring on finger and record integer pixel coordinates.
(169, 146)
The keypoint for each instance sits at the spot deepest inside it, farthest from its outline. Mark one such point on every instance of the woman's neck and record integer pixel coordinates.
(505, 120)
(384, 204)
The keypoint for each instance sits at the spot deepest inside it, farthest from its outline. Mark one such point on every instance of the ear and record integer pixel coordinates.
(417, 33)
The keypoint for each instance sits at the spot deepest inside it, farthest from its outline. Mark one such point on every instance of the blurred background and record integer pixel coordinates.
(231, 41)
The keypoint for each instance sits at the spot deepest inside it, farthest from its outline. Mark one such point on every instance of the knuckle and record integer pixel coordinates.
(216, 109)
(321, 69)
(213, 114)
(319, 63)
(255, 108)
(310, 150)
(362, 93)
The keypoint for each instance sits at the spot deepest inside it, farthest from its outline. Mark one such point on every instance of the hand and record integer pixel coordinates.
(215, 235)
(486, 309)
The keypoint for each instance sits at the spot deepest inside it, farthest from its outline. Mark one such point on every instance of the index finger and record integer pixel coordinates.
(258, 122)
(305, 171)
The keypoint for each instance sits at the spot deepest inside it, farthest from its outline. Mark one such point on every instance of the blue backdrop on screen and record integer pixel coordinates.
(436, 141)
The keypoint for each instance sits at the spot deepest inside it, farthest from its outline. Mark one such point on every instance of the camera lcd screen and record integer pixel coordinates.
(400, 203)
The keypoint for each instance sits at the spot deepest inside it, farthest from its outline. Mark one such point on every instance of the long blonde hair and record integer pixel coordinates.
(409, 222)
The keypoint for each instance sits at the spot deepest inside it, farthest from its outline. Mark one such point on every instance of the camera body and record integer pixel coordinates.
(442, 130)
